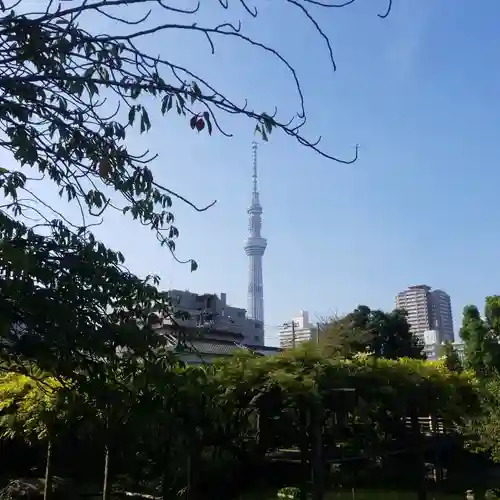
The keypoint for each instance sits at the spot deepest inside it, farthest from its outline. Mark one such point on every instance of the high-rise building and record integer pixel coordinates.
(441, 315)
(427, 310)
(255, 246)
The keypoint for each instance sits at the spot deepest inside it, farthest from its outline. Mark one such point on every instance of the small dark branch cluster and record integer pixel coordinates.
(57, 78)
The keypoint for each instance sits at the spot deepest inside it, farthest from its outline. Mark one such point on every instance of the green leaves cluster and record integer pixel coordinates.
(53, 119)
(450, 356)
(481, 337)
(30, 407)
(169, 419)
(364, 330)
(68, 306)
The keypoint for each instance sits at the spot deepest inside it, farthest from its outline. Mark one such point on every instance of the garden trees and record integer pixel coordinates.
(364, 330)
(248, 406)
(35, 408)
(122, 414)
(347, 335)
(68, 305)
(481, 338)
(450, 356)
(293, 386)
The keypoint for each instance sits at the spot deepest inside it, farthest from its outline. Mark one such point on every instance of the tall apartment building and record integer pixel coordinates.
(441, 315)
(427, 310)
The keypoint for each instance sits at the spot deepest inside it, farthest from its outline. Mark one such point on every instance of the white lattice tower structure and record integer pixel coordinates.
(255, 246)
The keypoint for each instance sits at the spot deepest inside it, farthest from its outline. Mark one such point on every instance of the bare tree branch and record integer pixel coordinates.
(57, 77)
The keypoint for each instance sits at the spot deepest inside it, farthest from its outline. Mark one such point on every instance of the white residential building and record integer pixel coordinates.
(432, 349)
(299, 329)
(431, 344)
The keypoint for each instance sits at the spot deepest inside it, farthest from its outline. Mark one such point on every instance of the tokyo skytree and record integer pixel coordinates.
(255, 246)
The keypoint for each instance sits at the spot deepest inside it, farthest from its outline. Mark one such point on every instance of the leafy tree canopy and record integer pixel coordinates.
(243, 406)
(481, 337)
(30, 406)
(365, 330)
(449, 355)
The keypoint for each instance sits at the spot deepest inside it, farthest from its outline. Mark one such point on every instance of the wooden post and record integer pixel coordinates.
(419, 452)
(304, 448)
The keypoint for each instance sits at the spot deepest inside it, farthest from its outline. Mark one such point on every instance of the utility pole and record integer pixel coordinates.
(317, 333)
(292, 325)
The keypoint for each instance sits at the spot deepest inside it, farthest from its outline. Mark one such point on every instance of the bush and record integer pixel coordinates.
(32, 489)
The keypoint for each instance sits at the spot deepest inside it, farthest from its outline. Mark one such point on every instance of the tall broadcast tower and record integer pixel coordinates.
(255, 246)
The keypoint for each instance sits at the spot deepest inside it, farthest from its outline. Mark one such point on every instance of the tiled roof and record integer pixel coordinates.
(215, 348)
(265, 349)
(219, 348)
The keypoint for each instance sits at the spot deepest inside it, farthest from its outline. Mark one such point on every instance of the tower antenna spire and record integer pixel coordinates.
(255, 192)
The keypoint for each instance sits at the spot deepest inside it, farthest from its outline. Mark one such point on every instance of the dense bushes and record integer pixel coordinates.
(159, 428)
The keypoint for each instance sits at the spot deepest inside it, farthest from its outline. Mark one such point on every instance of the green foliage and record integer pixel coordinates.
(289, 492)
(385, 393)
(450, 356)
(483, 430)
(364, 330)
(168, 418)
(31, 407)
(482, 355)
(481, 338)
(68, 305)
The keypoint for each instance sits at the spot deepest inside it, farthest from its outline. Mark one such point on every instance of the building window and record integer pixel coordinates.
(256, 338)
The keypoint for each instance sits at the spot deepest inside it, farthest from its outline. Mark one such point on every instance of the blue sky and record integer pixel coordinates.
(418, 91)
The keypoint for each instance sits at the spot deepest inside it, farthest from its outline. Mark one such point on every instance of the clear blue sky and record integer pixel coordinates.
(418, 91)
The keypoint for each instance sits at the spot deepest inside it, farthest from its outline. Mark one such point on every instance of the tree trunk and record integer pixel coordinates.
(165, 480)
(108, 426)
(193, 468)
(189, 476)
(47, 489)
(105, 484)
(317, 464)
